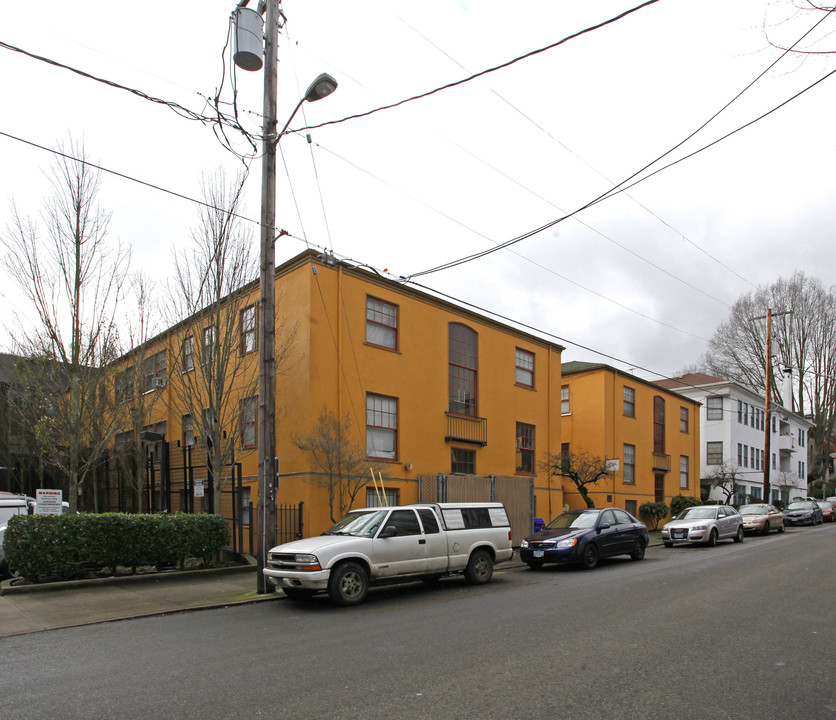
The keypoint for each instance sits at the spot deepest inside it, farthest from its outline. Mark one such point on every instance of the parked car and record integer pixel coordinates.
(704, 524)
(585, 536)
(761, 518)
(803, 512)
(10, 505)
(828, 512)
(379, 545)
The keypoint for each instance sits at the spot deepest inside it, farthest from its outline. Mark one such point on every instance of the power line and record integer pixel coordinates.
(479, 74)
(623, 185)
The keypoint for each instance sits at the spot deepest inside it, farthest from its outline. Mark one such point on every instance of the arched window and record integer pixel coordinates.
(463, 370)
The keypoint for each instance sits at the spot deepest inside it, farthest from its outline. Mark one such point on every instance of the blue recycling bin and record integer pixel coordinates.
(538, 524)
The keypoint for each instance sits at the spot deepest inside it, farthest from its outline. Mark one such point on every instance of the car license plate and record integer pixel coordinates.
(679, 534)
(538, 553)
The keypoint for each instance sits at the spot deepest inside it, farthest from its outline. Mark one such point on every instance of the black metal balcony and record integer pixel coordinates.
(464, 428)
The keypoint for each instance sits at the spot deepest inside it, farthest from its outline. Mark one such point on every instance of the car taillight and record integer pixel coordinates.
(509, 535)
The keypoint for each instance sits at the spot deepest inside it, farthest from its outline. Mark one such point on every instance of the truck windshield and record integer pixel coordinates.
(362, 524)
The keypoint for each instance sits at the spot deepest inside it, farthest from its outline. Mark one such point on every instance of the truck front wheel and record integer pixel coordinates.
(348, 584)
(479, 568)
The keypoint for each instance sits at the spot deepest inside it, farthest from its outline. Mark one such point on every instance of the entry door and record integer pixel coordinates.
(659, 486)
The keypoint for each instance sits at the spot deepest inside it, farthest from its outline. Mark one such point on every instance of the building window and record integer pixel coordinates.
(683, 419)
(248, 413)
(524, 363)
(381, 427)
(248, 330)
(381, 323)
(740, 454)
(463, 461)
(659, 425)
(188, 431)
(565, 408)
(714, 453)
(124, 386)
(714, 408)
(800, 470)
(154, 371)
(246, 500)
(683, 471)
(525, 448)
(462, 375)
(629, 395)
(565, 457)
(629, 463)
(387, 497)
(800, 437)
(209, 344)
(188, 354)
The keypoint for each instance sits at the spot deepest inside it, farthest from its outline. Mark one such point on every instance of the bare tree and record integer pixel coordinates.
(72, 279)
(342, 460)
(583, 468)
(724, 477)
(804, 339)
(133, 383)
(213, 347)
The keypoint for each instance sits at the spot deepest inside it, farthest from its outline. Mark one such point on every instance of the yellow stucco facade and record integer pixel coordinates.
(361, 345)
(651, 432)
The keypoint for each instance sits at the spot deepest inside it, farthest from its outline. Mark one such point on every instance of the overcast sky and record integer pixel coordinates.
(644, 277)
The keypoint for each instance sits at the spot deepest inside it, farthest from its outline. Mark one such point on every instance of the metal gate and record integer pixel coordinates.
(516, 493)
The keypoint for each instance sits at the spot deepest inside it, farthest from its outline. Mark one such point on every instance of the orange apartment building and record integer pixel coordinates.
(429, 386)
(652, 433)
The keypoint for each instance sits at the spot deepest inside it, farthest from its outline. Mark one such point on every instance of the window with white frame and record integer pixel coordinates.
(629, 463)
(248, 336)
(684, 419)
(249, 407)
(188, 431)
(524, 368)
(684, 467)
(188, 354)
(714, 408)
(381, 323)
(565, 408)
(209, 344)
(381, 427)
(628, 399)
(714, 453)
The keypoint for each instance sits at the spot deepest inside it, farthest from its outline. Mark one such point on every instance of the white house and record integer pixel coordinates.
(733, 432)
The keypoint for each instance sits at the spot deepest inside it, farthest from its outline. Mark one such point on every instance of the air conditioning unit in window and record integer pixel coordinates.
(158, 383)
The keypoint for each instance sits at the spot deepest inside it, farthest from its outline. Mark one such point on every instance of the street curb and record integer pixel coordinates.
(7, 588)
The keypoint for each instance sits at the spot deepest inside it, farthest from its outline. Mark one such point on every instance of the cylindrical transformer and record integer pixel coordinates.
(249, 39)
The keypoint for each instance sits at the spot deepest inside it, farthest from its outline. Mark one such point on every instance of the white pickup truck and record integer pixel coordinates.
(393, 544)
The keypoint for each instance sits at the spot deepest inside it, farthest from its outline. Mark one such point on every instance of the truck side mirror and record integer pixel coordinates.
(388, 531)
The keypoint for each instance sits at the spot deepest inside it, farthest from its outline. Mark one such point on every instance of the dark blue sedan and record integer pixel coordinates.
(585, 536)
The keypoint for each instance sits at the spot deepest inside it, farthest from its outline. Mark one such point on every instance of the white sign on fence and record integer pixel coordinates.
(198, 488)
(48, 502)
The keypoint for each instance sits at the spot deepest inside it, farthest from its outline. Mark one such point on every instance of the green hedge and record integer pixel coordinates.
(40, 546)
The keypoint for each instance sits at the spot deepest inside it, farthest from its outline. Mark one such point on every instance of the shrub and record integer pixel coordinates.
(40, 546)
(680, 502)
(655, 511)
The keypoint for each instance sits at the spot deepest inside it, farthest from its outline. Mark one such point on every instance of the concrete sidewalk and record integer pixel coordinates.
(31, 608)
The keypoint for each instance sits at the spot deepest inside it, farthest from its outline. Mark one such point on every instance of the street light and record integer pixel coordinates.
(323, 86)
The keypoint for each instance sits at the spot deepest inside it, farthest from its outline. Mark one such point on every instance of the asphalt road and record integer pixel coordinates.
(736, 631)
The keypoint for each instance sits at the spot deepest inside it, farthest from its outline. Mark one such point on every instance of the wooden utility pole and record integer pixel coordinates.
(766, 441)
(267, 303)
